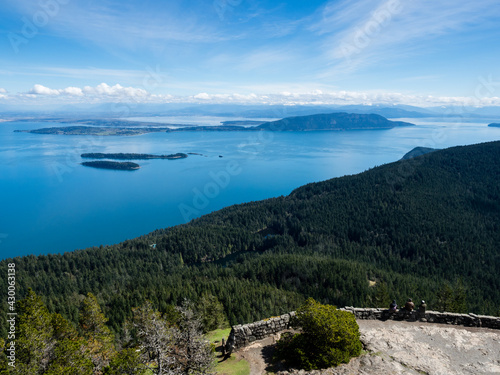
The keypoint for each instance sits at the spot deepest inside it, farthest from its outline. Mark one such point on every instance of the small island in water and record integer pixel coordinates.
(494, 125)
(128, 156)
(120, 166)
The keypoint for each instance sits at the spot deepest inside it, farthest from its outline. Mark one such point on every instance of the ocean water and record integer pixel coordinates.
(52, 204)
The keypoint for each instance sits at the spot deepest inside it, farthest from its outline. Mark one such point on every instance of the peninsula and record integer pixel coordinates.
(122, 156)
(417, 151)
(94, 130)
(104, 164)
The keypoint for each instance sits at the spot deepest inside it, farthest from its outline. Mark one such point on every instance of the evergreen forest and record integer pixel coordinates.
(426, 228)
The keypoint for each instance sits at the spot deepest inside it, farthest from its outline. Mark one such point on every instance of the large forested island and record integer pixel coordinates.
(426, 228)
(332, 121)
(129, 156)
(104, 164)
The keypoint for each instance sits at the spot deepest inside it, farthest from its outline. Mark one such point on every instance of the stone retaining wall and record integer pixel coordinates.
(468, 320)
(242, 335)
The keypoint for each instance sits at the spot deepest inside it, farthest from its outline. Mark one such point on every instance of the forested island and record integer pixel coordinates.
(495, 125)
(332, 121)
(129, 156)
(104, 164)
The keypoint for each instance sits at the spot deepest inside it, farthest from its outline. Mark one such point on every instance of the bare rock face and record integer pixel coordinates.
(417, 348)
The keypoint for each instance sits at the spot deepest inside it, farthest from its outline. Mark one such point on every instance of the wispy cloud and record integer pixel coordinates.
(367, 32)
(128, 25)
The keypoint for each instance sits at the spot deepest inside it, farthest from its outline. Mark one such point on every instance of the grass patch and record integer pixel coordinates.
(217, 335)
(233, 366)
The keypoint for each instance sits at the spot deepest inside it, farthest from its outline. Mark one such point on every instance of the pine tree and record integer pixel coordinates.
(211, 313)
(100, 340)
(127, 362)
(35, 341)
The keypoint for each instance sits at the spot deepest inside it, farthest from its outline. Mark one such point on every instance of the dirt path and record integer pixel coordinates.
(404, 348)
(258, 354)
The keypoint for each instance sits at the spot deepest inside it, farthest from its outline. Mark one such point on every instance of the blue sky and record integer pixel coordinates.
(423, 52)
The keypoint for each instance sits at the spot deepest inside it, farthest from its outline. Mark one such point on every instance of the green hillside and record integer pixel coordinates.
(400, 230)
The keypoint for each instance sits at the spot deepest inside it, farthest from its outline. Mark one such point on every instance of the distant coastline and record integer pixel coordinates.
(333, 121)
(494, 125)
(104, 164)
(92, 130)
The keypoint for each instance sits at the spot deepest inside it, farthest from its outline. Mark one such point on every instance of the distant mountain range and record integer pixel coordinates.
(121, 110)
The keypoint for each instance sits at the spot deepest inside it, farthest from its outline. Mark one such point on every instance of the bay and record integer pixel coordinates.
(52, 204)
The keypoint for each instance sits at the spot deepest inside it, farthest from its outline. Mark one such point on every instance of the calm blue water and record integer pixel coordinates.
(50, 203)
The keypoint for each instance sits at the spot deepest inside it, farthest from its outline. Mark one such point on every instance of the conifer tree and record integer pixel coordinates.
(100, 340)
(211, 313)
(127, 362)
(35, 341)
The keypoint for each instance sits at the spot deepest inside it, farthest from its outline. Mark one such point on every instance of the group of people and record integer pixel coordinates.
(409, 306)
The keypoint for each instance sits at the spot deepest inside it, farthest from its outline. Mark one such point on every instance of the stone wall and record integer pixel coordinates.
(468, 320)
(242, 335)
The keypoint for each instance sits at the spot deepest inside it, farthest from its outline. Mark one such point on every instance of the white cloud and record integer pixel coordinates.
(42, 90)
(102, 90)
(320, 97)
(73, 91)
(117, 90)
(202, 96)
(104, 93)
(3, 91)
